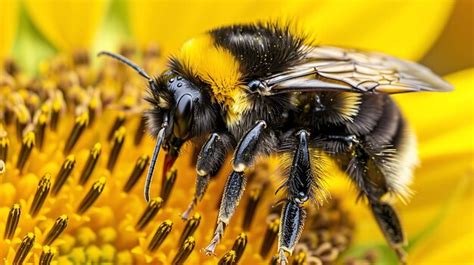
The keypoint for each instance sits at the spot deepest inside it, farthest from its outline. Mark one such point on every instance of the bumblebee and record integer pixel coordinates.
(260, 90)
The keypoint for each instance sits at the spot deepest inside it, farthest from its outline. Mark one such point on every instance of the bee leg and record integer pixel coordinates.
(389, 223)
(246, 151)
(366, 172)
(209, 161)
(299, 188)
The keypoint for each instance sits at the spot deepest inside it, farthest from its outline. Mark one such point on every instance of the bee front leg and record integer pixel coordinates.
(247, 149)
(209, 161)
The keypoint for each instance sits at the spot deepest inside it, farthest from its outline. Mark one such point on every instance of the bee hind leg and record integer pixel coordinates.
(209, 161)
(367, 173)
(247, 149)
(389, 222)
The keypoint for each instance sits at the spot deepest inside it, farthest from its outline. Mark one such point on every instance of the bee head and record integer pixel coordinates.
(180, 111)
(175, 103)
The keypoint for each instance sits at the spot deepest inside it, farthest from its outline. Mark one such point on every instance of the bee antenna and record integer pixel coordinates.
(126, 61)
(156, 152)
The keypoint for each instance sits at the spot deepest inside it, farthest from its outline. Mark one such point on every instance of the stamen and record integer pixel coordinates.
(119, 121)
(22, 118)
(251, 207)
(160, 235)
(140, 132)
(191, 226)
(12, 221)
(56, 230)
(47, 255)
(239, 246)
(228, 258)
(168, 185)
(27, 145)
(270, 237)
(24, 248)
(4, 144)
(41, 194)
(91, 196)
(92, 109)
(91, 163)
(184, 251)
(79, 125)
(119, 138)
(150, 211)
(57, 105)
(63, 174)
(40, 130)
(140, 166)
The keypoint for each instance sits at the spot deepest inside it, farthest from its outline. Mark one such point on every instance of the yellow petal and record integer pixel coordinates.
(389, 26)
(8, 26)
(405, 28)
(452, 240)
(433, 114)
(68, 24)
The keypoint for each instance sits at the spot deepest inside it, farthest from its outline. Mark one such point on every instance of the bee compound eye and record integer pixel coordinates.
(256, 85)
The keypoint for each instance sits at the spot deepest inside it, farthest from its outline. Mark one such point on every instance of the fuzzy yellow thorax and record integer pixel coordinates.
(219, 68)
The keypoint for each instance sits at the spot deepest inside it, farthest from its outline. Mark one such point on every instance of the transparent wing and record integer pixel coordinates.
(332, 68)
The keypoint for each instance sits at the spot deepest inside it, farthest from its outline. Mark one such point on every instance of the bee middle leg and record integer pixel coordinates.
(299, 187)
(247, 149)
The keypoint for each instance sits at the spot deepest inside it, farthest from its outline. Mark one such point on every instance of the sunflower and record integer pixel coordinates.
(74, 147)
